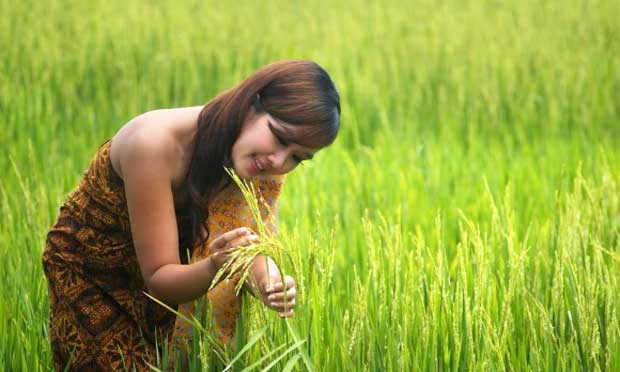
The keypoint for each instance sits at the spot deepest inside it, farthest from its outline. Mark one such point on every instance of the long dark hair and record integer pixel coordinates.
(298, 93)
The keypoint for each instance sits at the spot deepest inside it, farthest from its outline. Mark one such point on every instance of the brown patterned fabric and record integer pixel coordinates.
(100, 319)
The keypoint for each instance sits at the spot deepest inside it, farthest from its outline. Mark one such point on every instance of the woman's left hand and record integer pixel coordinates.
(272, 295)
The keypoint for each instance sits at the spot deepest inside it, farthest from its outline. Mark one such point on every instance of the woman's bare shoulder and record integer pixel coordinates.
(140, 145)
(161, 135)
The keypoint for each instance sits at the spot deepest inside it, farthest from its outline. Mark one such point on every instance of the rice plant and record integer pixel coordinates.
(467, 217)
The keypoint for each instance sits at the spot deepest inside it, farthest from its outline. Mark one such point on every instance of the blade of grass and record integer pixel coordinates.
(254, 339)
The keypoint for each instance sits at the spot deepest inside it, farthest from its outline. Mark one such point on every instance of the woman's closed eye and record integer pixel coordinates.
(296, 158)
(281, 140)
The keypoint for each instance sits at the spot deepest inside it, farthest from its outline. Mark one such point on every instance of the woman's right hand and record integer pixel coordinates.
(220, 249)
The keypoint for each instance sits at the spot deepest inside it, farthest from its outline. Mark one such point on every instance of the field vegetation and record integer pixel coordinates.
(467, 217)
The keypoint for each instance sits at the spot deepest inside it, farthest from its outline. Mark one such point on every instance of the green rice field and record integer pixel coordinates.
(466, 218)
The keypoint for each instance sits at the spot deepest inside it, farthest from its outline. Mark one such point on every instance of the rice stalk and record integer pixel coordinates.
(269, 246)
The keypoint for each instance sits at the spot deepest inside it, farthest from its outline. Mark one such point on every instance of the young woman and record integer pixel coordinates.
(157, 193)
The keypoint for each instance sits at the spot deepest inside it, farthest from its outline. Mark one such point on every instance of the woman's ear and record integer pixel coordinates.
(257, 105)
(250, 114)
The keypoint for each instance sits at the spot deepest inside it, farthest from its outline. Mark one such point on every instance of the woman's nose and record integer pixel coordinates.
(278, 159)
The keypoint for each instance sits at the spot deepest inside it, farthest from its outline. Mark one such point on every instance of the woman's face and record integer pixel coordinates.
(258, 150)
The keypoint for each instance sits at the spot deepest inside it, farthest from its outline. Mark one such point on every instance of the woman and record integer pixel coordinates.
(157, 193)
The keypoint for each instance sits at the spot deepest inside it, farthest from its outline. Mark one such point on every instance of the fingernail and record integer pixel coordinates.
(271, 297)
(269, 289)
(272, 304)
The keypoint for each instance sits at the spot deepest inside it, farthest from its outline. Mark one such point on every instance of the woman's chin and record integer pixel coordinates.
(244, 175)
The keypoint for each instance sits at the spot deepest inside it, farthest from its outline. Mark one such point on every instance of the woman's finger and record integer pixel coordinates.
(287, 314)
(278, 287)
(279, 296)
(290, 282)
(283, 306)
(242, 241)
(221, 241)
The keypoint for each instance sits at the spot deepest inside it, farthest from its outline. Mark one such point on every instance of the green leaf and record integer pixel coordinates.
(291, 363)
(254, 339)
(275, 361)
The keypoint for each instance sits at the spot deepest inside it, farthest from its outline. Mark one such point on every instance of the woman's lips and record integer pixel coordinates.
(255, 166)
(259, 165)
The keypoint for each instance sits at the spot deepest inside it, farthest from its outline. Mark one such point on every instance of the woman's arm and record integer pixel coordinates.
(147, 169)
(262, 271)
(263, 266)
(176, 283)
(266, 283)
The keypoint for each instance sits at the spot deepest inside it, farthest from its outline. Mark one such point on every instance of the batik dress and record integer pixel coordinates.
(100, 318)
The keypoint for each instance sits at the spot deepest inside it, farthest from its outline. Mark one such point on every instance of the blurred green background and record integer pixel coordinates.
(467, 217)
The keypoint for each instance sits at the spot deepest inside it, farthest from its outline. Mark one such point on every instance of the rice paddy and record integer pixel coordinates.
(467, 217)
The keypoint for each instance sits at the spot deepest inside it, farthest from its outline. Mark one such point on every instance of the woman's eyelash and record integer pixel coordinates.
(282, 141)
